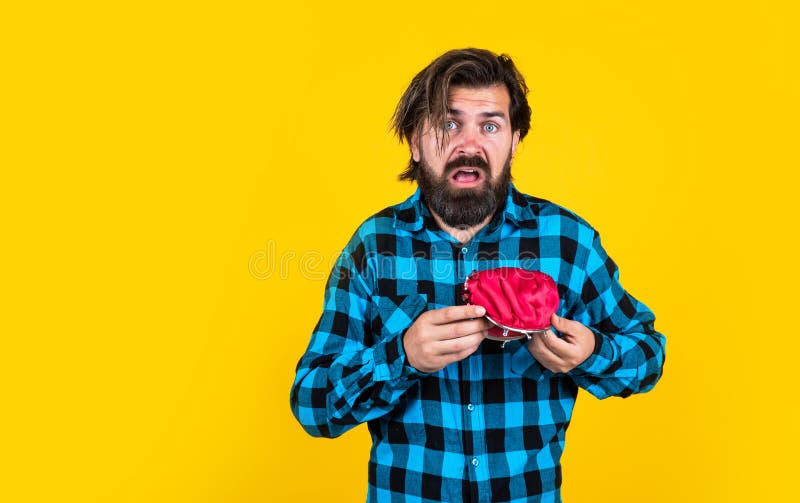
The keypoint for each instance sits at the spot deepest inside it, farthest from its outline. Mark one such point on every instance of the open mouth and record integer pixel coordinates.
(467, 177)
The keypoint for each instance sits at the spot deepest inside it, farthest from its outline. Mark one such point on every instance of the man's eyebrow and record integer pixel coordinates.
(486, 115)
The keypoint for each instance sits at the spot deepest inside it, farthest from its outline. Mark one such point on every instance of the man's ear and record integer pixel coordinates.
(413, 142)
(514, 143)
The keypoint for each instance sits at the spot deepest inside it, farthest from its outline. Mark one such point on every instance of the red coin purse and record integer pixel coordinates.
(518, 302)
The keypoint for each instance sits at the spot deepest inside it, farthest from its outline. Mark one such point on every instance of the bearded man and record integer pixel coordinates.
(455, 416)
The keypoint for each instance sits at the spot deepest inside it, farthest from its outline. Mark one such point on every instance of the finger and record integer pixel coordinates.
(574, 332)
(460, 348)
(540, 348)
(451, 314)
(564, 325)
(544, 355)
(461, 328)
(457, 357)
(558, 346)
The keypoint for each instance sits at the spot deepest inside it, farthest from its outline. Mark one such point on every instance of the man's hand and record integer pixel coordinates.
(563, 354)
(443, 336)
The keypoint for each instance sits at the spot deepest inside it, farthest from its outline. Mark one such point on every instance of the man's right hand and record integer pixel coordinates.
(443, 336)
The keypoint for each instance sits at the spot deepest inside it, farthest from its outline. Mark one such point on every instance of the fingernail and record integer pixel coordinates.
(480, 310)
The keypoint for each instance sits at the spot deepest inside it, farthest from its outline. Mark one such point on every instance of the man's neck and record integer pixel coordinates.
(462, 234)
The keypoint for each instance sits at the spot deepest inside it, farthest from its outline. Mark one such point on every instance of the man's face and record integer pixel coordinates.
(464, 181)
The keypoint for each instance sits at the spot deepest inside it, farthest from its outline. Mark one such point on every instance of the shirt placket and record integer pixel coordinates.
(473, 410)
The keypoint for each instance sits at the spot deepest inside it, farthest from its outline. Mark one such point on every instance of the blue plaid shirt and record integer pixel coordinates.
(490, 427)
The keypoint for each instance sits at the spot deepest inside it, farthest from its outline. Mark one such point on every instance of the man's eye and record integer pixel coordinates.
(490, 128)
(450, 125)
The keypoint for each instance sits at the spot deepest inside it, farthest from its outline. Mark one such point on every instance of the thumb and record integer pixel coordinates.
(559, 323)
(569, 327)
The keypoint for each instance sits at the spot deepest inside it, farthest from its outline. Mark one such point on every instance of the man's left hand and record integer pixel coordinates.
(562, 354)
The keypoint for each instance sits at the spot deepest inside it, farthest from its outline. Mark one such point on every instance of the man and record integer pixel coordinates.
(455, 416)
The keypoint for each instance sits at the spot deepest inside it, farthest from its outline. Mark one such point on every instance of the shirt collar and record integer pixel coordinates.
(412, 214)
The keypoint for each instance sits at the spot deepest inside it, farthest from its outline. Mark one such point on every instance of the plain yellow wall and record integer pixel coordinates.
(177, 176)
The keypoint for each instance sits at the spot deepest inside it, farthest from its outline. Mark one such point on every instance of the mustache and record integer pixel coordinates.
(465, 161)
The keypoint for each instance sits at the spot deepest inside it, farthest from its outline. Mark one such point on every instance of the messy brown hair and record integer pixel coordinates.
(426, 96)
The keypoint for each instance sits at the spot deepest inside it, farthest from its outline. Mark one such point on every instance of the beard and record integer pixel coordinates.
(463, 208)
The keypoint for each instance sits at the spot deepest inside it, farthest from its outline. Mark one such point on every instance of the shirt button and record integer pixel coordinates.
(475, 461)
(464, 251)
(470, 407)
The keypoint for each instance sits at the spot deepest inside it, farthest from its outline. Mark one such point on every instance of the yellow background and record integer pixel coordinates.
(176, 178)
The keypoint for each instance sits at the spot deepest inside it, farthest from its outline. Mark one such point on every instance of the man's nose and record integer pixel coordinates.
(468, 142)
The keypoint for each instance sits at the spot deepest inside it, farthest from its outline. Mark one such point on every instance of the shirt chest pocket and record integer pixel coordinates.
(395, 313)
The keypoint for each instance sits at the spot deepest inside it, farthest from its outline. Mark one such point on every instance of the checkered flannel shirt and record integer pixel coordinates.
(490, 427)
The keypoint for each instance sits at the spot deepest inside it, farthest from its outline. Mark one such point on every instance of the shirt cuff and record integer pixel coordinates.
(596, 364)
(391, 362)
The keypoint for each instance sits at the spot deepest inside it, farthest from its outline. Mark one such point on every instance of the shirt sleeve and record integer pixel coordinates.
(628, 356)
(354, 369)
